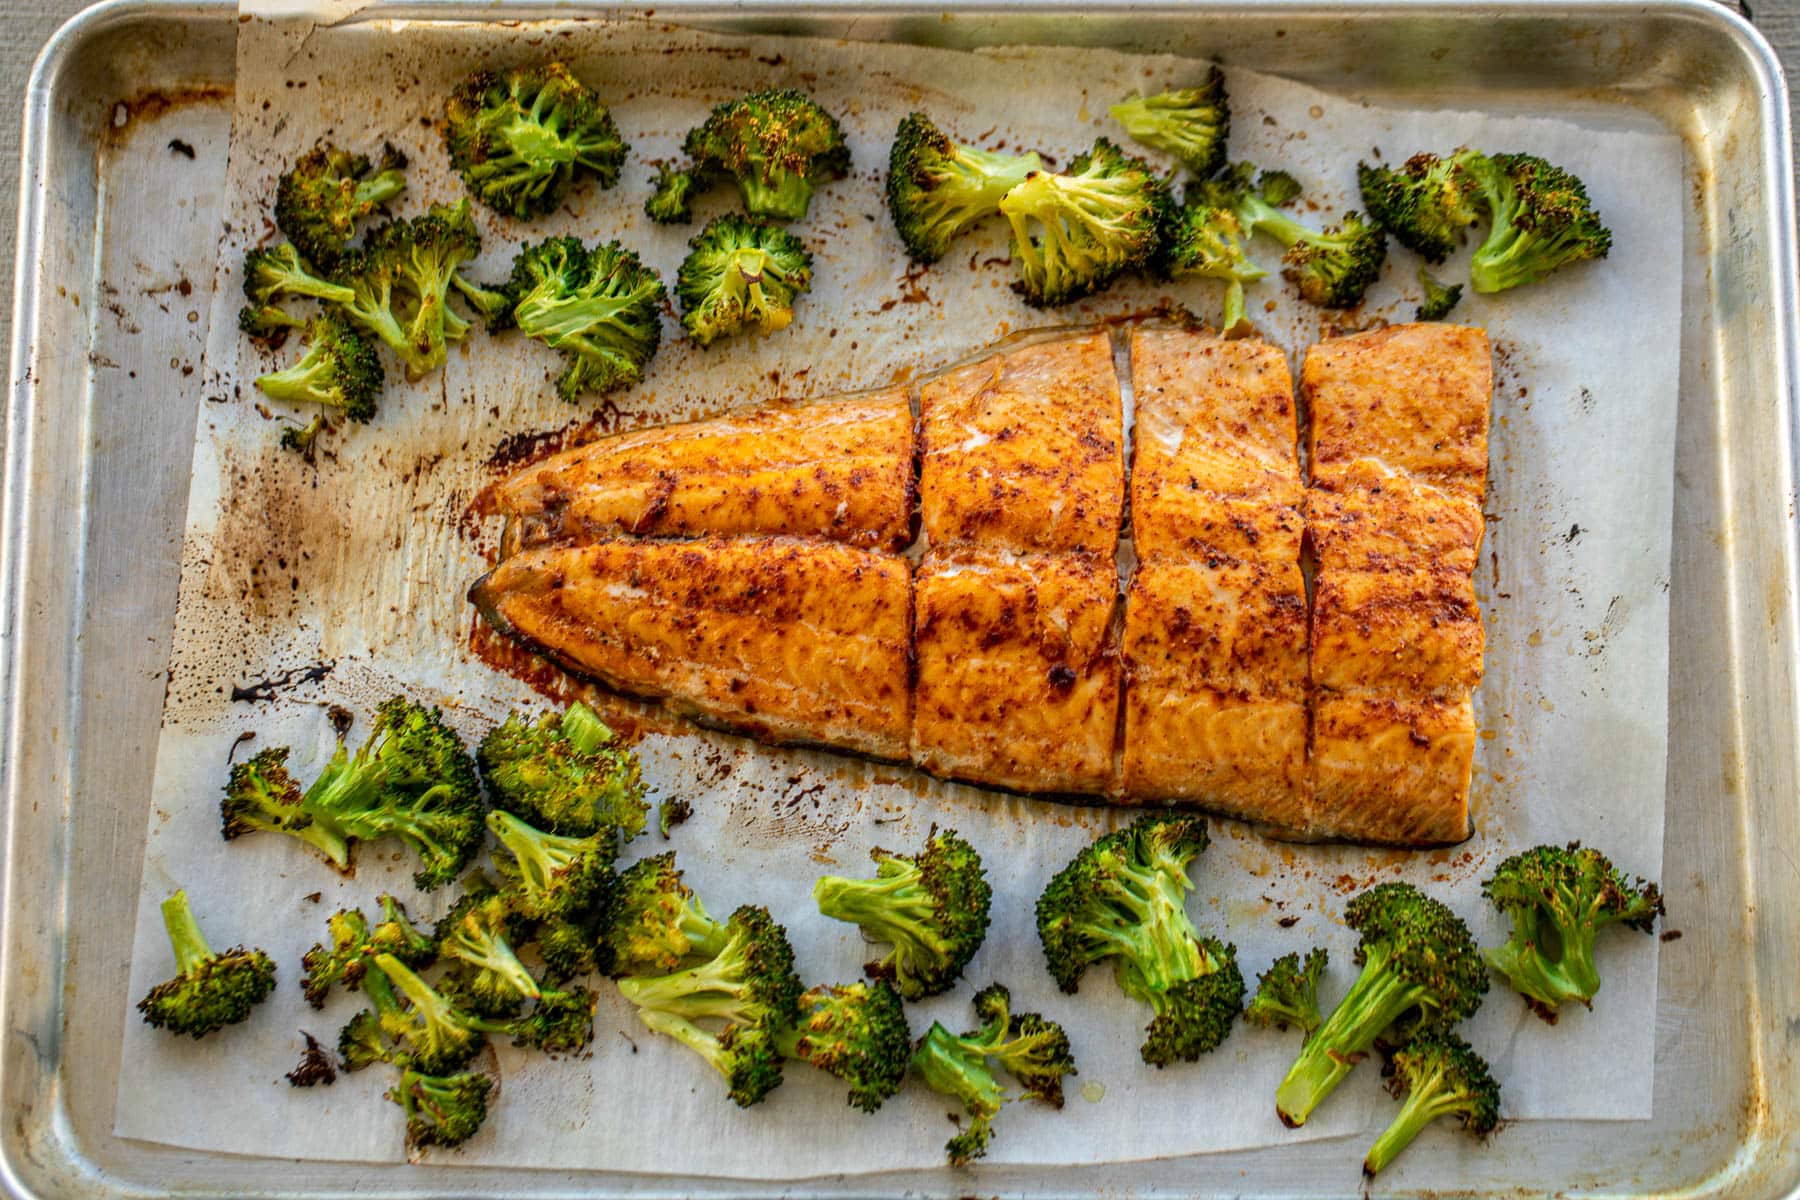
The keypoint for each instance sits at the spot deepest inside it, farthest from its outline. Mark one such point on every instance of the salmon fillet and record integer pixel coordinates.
(785, 639)
(1392, 769)
(1023, 450)
(1018, 676)
(840, 469)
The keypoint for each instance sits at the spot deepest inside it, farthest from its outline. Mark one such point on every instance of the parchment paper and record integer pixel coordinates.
(357, 566)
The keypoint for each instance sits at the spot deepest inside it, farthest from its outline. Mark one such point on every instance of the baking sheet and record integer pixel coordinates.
(287, 567)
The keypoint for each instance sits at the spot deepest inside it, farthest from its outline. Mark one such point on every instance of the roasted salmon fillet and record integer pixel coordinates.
(786, 639)
(841, 470)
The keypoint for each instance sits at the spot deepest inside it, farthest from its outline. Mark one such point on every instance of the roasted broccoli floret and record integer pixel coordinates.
(1559, 898)
(276, 271)
(520, 138)
(413, 780)
(320, 199)
(560, 1021)
(1033, 1050)
(560, 884)
(1208, 243)
(472, 936)
(315, 1067)
(341, 368)
(441, 1110)
(304, 439)
(1331, 268)
(210, 990)
(938, 189)
(494, 305)
(931, 907)
(1420, 970)
(423, 255)
(395, 934)
(1074, 233)
(1426, 203)
(741, 275)
(343, 961)
(269, 323)
(1288, 992)
(856, 1032)
(1440, 297)
(260, 796)
(749, 988)
(655, 923)
(1189, 123)
(673, 811)
(433, 1033)
(600, 307)
(1542, 220)
(1124, 897)
(672, 200)
(779, 146)
(1436, 1075)
(374, 1034)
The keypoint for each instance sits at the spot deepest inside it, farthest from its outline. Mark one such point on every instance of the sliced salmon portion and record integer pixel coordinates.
(1409, 633)
(784, 639)
(1018, 675)
(1392, 769)
(839, 469)
(1376, 519)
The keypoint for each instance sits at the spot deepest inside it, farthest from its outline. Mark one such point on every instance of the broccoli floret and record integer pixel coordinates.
(343, 961)
(441, 1110)
(560, 1021)
(1124, 898)
(304, 439)
(1073, 234)
(932, 908)
(1288, 992)
(1437, 1075)
(600, 307)
(424, 255)
(1426, 203)
(210, 990)
(938, 189)
(1033, 1050)
(520, 138)
(315, 1067)
(374, 1034)
(564, 773)
(749, 987)
(494, 305)
(1189, 123)
(958, 1069)
(741, 275)
(276, 271)
(777, 145)
(260, 796)
(341, 368)
(560, 884)
(395, 934)
(1208, 243)
(1542, 220)
(435, 1035)
(856, 1032)
(1440, 297)
(655, 923)
(269, 323)
(673, 811)
(1420, 969)
(320, 199)
(414, 780)
(1559, 898)
(1331, 268)
(472, 936)
(672, 201)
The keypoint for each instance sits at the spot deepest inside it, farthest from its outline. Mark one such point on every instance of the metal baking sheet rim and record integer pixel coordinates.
(39, 1147)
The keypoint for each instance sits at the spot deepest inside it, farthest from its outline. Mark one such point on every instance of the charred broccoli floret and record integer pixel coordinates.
(433, 1034)
(741, 274)
(269, 323)
(1436, 1075)
(374, 1034)
(1074, 233)
(1542, 220)
(260, 796)
(341, 369)
(600, 307)
(1440, 297)
(856, 1032)
(748, 989)
(1208, 243)
(938, 189)
(1125, 898)
(778, 146)
(671, 201)
(343, 961)
(304, 439)
(1420, 970)
(319, 200)
(209, 990)
(931, 907)
(1189, 123)
(560, 1021)
(1559, 898)
(655, 923)
(472, 936)
(441, 1110)
(565, 773)
(1288, 992)
(1426, 203)
(560, 884)
(395, 934)
(276, 271)
(1034, 1051)
(1332, 268)
(520, 138)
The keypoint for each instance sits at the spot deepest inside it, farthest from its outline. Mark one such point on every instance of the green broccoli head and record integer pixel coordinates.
(857, 1032)
(432, 1031)
(560, 1022)
(1189, 123)
(601, 308)
(1333, 267)
(375, 1034)
(959, 1068)
(741, 275)
(778, 145)
(1033, 1050)
(553, 875)
(319, 200)
(396, 934)
(1426, 203)
(341, 369)
(1208, 243)
(269, 324)
(1559, 898)
(655, 923)
(1435, 1075)
(441, 1110)
(261, 796)
(472, 936)
(521, 138)
(671, 199)
(1440, 297)
(416, 261)
(1542, 220)
(565, 773)
(938, 189)
(343, 961)
(1074, 233)
(209, 990)
(1288, 992)
(931, 907)
(272, 272)
(1420, 970)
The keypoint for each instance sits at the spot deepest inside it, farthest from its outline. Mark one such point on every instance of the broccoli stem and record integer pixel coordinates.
(1375, 1001)
(783, 196)
(490, 953)
(184, 933)
(1541, 975)
(1425, 1102)
(711, 989)
(687, 1033)
(1157, 945)
(891, 908)
(377, 190)
(301, 383)
(1235, 314)
(540, 855)
(1262, 217)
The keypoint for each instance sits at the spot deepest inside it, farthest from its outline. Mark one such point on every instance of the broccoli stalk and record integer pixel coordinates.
(1426, 203)
(441, 1110)
(269, 323)
(1073, 234)
(741, 275)
(1124, 898)
(564, 773)
(1418, 962)
(655, 923)
(954, 1068)
(209, 990)
(938, 189)
(437, 1036)
(856, 1032)
(600, 308)
(277, 271)
(373, 1035)
(521, 138)
(319, 200)
(1438, 1075)
(1208, 243)
(1288, 993)
(1542, 220)
(932, 908)
(472, 935)
(260, 796)
(1189, 123)
(340, 368)
(779, 146)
